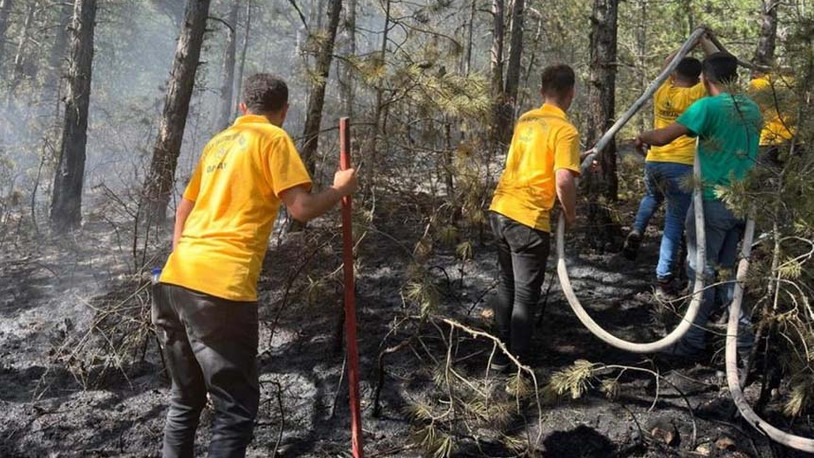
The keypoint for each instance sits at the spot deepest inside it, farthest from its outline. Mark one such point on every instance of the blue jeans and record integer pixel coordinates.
(723, 231)
(670, 180)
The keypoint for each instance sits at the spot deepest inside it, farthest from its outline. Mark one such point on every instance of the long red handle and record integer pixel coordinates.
(350, 299)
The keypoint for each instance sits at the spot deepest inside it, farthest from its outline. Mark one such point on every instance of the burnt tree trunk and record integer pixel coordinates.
(176, 107)
(5, 10)
(764, 54)
(602, 90)
(601, 186)
(245, 48)
(317, 99)
(228, 68)
(56, 57)
(66, 203)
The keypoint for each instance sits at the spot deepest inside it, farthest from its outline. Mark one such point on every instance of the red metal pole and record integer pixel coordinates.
(350, 299)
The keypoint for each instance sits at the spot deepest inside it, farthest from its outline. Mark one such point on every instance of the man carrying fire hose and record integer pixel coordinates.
(542, 163)
(668, 169)
(205, 305)
(728, 126)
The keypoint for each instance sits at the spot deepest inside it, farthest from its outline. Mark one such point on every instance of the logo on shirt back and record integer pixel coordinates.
(224, 145)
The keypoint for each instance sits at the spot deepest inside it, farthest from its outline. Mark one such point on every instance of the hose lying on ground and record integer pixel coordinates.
(698, 286)
(732, 376)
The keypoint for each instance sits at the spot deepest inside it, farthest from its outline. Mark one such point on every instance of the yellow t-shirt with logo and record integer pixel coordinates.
(777, 128)
(236, 189)
(544, 141)
(668, 104)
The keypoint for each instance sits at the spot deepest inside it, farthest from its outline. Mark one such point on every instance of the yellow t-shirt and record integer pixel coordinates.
(768, 94)
(668, 104)
(544, 141)
(236, 189)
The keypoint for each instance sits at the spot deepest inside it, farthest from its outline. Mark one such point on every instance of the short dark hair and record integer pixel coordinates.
(689, 68)
(557, 80)
(721, 68)
(264, 93)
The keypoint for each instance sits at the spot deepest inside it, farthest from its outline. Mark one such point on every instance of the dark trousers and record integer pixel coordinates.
(522, 253)
(209, 346)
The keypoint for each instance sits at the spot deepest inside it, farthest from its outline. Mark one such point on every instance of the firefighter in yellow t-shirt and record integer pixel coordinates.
(774, 95)
(541, 164)
(205, 305)
(667, 171)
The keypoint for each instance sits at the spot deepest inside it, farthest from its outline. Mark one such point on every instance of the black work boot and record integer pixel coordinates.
(632, 244)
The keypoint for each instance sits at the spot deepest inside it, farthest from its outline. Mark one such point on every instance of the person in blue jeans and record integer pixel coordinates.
(728, 127)
(667, 171)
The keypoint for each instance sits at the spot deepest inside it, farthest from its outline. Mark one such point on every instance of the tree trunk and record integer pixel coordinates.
(497, 49)
(506, 104)
(176, 107)
(469, 31)
(5, 10)
(641, 45)
(602, 88)
(532, 57)
(66, 204)
(57, 55)
(346, 76)
(242, 66)
(317, 99)
(515, 53)
(498, 98)
(228, 69)
(764, 55)
(17, 67)
(378, 129)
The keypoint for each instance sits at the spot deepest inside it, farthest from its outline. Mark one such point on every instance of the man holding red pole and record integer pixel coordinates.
(205, 305)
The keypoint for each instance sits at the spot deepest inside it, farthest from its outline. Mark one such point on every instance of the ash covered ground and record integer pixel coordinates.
(81, 375)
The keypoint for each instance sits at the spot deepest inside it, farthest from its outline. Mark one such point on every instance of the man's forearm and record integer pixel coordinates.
(567, 194)
(313, 205)
(652, 138)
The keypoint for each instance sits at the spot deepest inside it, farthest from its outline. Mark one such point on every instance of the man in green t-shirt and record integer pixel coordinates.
(728, 127)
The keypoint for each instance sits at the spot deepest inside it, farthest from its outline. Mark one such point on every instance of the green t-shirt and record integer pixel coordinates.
(729, 129)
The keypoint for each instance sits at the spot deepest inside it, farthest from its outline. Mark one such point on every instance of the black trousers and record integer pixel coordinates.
(522, 253)
(209, 346)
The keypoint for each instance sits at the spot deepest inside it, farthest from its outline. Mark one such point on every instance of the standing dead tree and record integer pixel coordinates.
(176, 107)
(66, 204)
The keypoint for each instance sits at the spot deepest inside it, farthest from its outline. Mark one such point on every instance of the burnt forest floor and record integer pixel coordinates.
(80, 374)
